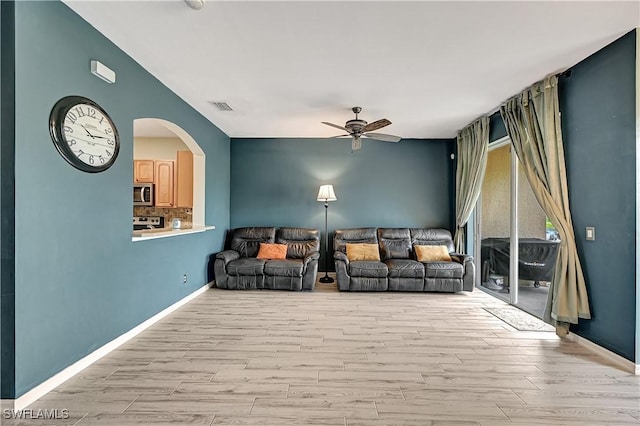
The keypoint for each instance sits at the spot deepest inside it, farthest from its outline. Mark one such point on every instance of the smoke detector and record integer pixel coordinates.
(195, 4)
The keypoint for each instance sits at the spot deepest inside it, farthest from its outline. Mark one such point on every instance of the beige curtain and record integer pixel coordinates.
(533, 124)
(473, 145)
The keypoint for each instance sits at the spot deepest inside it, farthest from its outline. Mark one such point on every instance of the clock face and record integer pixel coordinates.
(84, 134)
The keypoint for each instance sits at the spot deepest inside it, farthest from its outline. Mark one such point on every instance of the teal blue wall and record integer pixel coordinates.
(597, 103)
(274, 182)
(80, 281)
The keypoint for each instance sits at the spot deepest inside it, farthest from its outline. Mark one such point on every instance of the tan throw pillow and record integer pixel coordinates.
(272, 251)
(362, 252)
(432, 253)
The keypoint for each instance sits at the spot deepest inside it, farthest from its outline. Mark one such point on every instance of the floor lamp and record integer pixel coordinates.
(326, 194)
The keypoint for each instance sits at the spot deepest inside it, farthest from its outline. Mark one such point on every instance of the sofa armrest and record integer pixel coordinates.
(228, 255)
(310, 263)
(338, 255)
(461, 258)
(311, 257)
(342, 270)
(220, 266)
(468, 279)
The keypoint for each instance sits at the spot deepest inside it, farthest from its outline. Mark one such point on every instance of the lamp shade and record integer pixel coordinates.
(326, 193)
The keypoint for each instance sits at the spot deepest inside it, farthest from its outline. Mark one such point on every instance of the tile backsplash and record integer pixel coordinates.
(184, 214)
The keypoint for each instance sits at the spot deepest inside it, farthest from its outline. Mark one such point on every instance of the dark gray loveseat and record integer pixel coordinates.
(238, 268)
(398, 269)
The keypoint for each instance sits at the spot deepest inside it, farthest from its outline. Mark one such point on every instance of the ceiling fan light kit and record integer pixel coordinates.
(357, 128)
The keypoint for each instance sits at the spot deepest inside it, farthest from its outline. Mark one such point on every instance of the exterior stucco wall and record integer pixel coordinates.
(496, 200)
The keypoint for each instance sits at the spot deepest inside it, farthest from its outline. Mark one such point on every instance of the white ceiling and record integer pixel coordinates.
(429, 67)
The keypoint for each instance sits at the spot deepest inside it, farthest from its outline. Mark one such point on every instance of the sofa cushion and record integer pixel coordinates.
(404, 268)
(356, 235)
(272, 251)
(246, 241)
(284, 268)
(432, 236)
(300, 242)
(395, 243)
(371, 269)
(367, 252)
(246, 266)
(429, 253)
(443, 270)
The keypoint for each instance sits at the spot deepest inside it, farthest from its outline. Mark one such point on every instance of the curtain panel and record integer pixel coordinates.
(532, 119)
(473, 146)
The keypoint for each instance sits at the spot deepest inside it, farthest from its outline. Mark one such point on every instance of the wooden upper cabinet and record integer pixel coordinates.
(184, 179)
(164, 185)
(143, 171)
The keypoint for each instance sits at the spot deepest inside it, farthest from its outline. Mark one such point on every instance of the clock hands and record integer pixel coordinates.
(85, 129)
(92, 135)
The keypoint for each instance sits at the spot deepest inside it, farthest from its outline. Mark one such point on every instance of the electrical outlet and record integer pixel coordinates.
(184, 279)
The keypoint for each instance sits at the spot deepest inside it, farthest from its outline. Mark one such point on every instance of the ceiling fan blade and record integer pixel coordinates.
(339, 136)
(376, 125)
(334, 125)
(382, 137)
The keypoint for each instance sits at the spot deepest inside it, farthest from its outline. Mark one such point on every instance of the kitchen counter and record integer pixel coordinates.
(151, 234)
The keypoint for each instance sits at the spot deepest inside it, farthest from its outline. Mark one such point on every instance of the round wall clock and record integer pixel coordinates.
(84, 134)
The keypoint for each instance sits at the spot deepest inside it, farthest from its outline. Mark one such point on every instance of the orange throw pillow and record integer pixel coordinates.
(272, 251)
(432, 253)
(362, 252)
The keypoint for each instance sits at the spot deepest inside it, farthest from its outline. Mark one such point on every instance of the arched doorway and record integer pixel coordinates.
(159, 128)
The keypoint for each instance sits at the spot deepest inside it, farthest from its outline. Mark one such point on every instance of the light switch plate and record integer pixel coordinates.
(591, 233)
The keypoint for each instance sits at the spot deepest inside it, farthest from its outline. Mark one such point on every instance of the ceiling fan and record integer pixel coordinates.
(358, 128)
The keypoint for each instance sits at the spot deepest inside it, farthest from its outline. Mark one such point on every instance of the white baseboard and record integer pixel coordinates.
(55, 381)
(618, 360)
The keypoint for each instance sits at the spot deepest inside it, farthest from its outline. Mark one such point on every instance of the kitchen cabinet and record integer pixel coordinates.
(164, 183)
(143, 171)
(184, 179)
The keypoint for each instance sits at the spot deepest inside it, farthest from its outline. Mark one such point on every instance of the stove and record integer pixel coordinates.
(147, 222)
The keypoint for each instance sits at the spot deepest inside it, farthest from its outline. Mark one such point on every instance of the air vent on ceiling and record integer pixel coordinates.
(222, 106)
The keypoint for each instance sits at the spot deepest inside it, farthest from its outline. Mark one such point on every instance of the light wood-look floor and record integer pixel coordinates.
(330, 358)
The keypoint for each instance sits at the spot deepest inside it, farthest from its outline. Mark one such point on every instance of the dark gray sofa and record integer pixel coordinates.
(238, 268)
(397, 269)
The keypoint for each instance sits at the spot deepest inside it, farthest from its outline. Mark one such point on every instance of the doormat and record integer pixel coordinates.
(520, 320)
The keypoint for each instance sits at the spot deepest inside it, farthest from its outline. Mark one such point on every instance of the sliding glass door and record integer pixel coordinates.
(493, 224)
(515, 249)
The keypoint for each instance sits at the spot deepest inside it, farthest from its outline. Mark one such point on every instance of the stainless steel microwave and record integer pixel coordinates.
(143, 194)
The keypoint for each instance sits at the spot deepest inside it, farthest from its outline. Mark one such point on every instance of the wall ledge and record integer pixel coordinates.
(152, 235)
(64, 375)
(622, 362)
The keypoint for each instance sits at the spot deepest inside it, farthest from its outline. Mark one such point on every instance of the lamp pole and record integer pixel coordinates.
(326, 279)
